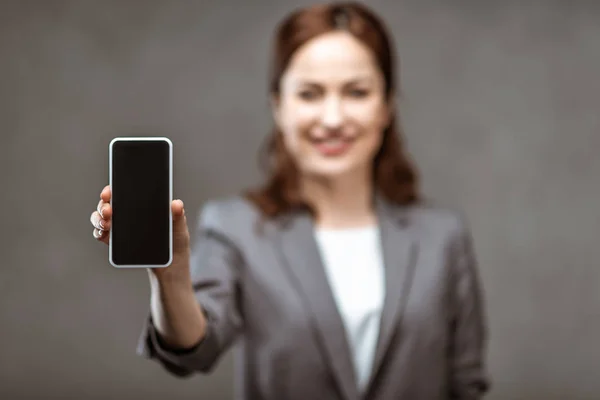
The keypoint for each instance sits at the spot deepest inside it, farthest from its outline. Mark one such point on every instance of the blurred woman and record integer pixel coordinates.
(335, 278)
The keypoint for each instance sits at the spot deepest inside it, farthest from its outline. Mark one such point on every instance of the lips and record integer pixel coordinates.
(332, 147)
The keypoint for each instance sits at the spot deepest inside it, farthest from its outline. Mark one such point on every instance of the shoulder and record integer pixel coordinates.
(435, 217)
(444, 225)
(233, 219)
(219, 213)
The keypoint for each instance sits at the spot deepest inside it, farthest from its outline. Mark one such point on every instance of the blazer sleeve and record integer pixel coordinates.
(468, 374)
(214, 265)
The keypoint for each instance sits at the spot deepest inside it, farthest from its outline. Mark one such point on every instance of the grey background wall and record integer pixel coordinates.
(500, 103)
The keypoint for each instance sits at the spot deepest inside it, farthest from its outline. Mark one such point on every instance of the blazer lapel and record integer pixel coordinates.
(399, 256)
(301, 256)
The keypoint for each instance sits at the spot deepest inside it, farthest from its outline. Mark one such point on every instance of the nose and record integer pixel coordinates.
(332, 114)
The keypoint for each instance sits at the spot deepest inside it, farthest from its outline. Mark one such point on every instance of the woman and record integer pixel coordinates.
(337, 280)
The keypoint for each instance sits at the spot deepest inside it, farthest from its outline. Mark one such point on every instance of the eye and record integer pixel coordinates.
(308, 95)
(358, 93)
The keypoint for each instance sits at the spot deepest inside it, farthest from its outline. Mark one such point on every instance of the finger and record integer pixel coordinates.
(177, 207)
(104, 209)
(102, 236)
(181, 235)
(94, 218)
(106, 194)
(99, 207)
(98, 234)
(98, 222)
(179, 219)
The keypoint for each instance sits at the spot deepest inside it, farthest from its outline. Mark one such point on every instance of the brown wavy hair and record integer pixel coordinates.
(395, 177)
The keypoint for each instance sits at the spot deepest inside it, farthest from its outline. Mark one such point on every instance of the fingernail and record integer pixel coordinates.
(102, 212)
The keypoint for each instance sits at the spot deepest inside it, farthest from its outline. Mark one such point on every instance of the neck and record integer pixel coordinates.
(342, 202)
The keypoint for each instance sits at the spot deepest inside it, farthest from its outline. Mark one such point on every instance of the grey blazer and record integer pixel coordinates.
(263, 286)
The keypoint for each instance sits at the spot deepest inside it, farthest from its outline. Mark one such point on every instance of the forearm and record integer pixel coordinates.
(176, 313)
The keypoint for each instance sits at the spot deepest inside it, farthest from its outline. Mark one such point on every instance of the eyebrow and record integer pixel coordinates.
(353, 81)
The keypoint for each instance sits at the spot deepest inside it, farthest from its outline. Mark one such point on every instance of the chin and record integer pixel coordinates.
(334, 168)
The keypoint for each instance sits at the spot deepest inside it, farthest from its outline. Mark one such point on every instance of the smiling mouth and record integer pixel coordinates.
(331, 147)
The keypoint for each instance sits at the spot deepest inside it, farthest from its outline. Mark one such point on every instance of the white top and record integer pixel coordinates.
(354, 268)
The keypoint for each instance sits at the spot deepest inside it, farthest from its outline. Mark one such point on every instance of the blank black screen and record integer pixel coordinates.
(141, 202)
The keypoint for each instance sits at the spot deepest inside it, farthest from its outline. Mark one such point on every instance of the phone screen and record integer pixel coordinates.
(141, 191)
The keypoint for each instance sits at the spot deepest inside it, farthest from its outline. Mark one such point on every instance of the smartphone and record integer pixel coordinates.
(141, 183)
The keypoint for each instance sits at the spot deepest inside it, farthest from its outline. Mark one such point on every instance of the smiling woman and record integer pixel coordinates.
(353, 288)
(333, 88)
(332, 96)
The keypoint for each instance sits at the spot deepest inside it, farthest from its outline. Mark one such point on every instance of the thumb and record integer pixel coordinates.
(181, 234)
(178, 211)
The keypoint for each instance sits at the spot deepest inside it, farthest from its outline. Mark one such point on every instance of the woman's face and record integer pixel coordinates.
(332, 109)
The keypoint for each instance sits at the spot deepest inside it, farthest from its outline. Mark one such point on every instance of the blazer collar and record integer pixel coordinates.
(301, 257)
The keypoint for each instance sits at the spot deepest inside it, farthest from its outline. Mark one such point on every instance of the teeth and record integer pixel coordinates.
(332, 141)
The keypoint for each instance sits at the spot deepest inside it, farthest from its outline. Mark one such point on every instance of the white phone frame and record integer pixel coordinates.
(110, 173)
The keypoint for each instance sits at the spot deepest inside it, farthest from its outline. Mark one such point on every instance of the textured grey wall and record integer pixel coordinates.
(501, 103)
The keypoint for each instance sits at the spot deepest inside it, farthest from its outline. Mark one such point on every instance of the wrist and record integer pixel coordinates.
(171, 277)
